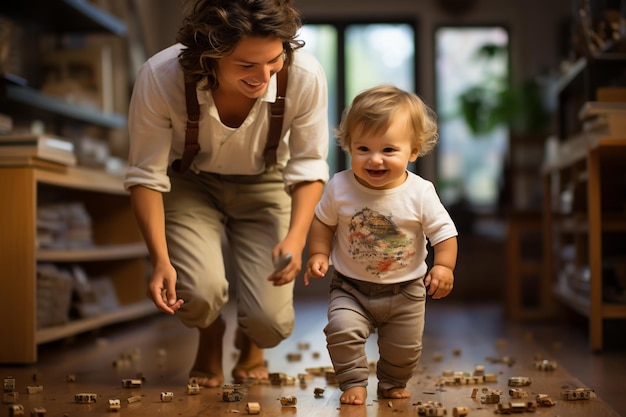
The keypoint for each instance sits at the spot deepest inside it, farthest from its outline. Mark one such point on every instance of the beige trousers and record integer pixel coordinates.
(355, 311)
(252, 213)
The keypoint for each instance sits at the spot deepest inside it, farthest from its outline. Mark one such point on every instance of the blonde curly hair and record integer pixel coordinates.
(372, 111)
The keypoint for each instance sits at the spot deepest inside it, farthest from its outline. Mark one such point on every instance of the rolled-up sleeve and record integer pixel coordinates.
(307, 96)
(150, 129)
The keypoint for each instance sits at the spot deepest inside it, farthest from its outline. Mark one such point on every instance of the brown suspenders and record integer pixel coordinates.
(277, 110)
(191, 132)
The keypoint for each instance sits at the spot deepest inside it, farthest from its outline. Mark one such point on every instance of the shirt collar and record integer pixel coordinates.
(272, 90)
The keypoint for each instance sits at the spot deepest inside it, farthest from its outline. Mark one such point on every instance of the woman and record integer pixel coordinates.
(232, 50)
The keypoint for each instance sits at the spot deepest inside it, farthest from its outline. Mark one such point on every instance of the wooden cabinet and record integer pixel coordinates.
(26, 184)
(584, 204)
(585, 228)
(118, 251)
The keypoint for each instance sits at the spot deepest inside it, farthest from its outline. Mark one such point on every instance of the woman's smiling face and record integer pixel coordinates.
(247, 70)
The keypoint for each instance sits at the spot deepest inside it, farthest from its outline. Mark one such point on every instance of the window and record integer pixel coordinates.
(470, 62)
(357, 56)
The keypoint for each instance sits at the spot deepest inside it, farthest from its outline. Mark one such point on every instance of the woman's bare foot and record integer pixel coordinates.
(395, 393)
(251, 363)
(207, 368)
(354, 395)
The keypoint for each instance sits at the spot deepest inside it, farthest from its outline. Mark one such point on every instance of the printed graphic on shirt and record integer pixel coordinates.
(378, 244)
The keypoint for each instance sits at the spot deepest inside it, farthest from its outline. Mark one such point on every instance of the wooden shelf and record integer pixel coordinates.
(576, 148)
(120, 253)
(98, 253)
(81, 178)
(578, 302)
(64, 15)
(580, 84)
(74, 327)
(582, 304)
(611, 222)
(36, 99)
(592, 162)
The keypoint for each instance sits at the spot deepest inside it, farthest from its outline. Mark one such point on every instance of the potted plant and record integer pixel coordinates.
(489, 105)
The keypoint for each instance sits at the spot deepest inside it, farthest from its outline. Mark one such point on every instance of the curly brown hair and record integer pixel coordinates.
(212, 29)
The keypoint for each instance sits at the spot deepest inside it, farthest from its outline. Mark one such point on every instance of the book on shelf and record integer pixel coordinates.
(608, 114)
(594, 108)
(47, 147)
(6, 123)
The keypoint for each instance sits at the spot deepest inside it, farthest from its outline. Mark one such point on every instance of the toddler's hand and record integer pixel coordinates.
(316, 267)
(439, 281)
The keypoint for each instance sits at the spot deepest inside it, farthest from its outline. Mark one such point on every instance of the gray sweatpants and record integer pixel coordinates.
(253, 213)
(395, 310)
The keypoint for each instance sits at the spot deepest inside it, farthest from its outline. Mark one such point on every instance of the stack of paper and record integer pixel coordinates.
(613, 114)
(45, 147)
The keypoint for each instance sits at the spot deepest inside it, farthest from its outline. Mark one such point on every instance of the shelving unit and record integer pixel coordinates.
(580, 84)
(34, 99)
(585, 227)
(584, 203)
(118, 252)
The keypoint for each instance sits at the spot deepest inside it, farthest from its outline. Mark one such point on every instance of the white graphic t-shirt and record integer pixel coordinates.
(382, 234)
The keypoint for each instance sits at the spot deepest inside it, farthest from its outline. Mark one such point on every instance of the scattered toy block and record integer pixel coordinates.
(288, 401)
(253, 408)
(34, 389)
(16, 410)
(114, 404)
(232, 392)
(85, 398)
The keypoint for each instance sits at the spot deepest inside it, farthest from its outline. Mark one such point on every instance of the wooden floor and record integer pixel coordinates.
(478, 331)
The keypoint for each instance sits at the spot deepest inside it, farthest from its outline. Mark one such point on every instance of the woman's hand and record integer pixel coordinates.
(162, 289)
(287, 259)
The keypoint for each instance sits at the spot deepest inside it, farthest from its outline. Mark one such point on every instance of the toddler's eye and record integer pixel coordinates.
(362, 149)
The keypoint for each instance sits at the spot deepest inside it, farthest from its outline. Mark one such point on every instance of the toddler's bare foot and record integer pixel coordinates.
(395, 393)
(251, 363)
(207, 368)
(354, 395)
